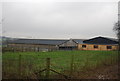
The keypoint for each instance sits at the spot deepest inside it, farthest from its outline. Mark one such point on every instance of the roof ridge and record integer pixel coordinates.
(42, 39)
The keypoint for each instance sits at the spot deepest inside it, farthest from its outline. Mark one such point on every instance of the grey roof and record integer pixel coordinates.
(101, 40)
(57, 41)
(44, 41)
(113, 39)
(38, 41)
(80, 41)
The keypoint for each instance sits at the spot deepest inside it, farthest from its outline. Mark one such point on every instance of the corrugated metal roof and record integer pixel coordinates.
(113, 39)
(80, 41)
(38, 41)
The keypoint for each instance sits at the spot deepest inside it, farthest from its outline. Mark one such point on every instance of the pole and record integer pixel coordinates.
(19, 70)
(72, 65)
(47, 68)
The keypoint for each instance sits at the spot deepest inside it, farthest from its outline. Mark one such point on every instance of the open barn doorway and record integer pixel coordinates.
(68, 48)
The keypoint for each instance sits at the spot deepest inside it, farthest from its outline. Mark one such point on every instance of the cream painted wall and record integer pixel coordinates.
(100, 47)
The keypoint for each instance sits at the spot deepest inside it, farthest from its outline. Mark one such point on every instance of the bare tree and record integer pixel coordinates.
(117, 31)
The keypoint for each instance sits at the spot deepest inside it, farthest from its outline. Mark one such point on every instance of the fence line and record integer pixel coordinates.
(72, 66)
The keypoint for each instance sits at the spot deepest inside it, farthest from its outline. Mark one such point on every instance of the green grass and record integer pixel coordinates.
(60, 61)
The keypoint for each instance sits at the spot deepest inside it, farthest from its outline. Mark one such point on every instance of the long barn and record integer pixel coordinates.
(35, 44)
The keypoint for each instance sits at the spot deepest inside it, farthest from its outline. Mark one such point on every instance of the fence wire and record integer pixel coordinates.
(23, 66)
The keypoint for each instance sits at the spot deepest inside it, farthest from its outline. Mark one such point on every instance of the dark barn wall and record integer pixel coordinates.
(32, 47)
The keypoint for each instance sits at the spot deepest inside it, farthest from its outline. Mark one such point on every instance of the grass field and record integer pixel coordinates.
(61, 61)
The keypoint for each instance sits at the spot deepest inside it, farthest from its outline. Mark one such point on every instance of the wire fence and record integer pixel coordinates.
(35, 67)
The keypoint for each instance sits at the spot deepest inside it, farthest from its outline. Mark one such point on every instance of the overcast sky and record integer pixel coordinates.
(59, 19)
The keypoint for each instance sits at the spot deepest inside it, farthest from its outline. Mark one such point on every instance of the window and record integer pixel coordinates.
(109, 47)
(95, 46)
(83, 46)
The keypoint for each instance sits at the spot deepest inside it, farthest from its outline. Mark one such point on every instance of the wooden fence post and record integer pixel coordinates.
(72, 65)
(38, 49)
(22, 49)
(19, 70)
(47, 68)
(111, 58)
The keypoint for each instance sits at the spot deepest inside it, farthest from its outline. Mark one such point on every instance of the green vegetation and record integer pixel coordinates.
(61, 61)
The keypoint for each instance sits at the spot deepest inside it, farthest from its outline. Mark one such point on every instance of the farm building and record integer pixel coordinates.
(35, 44)
(97, 43)
(69, 45)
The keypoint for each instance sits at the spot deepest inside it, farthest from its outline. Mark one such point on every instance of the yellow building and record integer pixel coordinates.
(97, 47)
(99, 43)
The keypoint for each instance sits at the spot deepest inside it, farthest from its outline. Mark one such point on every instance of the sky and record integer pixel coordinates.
(59, 19)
